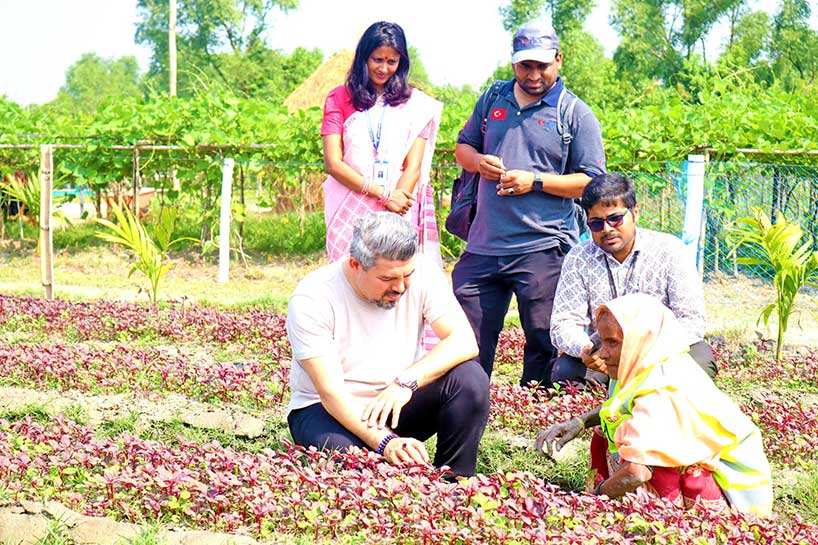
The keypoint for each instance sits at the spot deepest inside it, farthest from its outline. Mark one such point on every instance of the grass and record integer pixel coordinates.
(797, 493)
(36, 411)
(99, 272)
(149, 535)
(175, 432)
(499, 453)
(56, 534)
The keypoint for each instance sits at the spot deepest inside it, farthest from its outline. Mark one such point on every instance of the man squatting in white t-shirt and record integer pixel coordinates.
(359, 375)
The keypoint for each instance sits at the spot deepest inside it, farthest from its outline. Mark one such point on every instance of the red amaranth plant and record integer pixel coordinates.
(250, 329)
(526, 410)
(325, 495)
(510, 346)
(789, 430)
(121, 368)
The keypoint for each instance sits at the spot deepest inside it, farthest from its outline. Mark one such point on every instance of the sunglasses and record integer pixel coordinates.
(614, 220)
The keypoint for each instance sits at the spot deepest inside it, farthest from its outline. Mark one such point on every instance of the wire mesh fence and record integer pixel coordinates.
(732, 190)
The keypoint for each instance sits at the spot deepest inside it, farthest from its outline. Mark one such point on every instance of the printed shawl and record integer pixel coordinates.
(401, 127)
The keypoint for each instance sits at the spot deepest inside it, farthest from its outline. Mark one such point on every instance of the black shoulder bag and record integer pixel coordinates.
(464, 188)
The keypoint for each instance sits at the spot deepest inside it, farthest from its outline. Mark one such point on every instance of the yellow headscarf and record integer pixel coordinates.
(667, 412)
(651, 333)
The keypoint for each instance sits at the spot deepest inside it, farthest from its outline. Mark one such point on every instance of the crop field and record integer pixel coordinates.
(166, 424)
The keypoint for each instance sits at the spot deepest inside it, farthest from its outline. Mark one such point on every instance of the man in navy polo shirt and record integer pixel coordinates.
(525, 221)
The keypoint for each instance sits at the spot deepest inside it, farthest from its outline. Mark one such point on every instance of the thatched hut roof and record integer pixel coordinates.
(326, 77)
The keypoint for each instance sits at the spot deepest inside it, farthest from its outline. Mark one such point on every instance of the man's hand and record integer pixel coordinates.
(491, 167)
(390, 400)
(405, 450)
(558, 435)
(592, 361)
(515, 182)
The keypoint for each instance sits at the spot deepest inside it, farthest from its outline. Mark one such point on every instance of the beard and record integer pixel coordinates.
(383, 302)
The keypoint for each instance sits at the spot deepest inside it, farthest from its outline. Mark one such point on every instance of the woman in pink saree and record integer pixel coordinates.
(379, 135)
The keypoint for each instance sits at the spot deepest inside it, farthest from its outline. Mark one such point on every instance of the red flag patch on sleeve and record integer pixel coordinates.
(498, 113)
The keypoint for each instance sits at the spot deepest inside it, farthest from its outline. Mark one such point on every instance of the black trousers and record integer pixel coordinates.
(570, 368)
(455, 407)
(484, 285)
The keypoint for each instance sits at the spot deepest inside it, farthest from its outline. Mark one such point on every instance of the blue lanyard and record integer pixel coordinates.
(376, 141)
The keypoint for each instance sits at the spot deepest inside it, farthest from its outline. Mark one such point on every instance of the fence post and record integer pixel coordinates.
(691, 234)
(224, 220)
(136, 182)
(46, 239)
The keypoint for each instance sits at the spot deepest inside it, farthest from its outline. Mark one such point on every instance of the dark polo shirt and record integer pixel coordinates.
(527, 139)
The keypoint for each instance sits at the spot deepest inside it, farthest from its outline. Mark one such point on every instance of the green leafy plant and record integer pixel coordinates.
(150, 252)
(26, 192)
(778, 247)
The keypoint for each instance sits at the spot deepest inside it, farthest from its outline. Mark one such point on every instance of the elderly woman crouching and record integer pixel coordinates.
(666, 430)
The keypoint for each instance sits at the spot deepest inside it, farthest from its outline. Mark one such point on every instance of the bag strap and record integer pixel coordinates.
(565, 119)
(494, 92)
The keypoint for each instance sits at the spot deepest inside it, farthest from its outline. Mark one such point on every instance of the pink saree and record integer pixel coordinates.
(401, 127)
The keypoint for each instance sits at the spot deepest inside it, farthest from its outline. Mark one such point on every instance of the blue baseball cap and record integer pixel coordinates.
(533, 42)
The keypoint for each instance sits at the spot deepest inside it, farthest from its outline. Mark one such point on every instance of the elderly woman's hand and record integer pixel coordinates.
(558, 435)
(592, 361)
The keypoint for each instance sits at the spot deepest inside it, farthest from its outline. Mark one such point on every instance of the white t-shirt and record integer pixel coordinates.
(368, 345)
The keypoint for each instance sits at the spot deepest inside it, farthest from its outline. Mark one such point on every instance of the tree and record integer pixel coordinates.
(748, 38)
(747, 45)
(215, 39)
(566, 15)
(268, 74)
(794, 43)
(586, 70)
(417, 72)
(658, 35)
(92, 79)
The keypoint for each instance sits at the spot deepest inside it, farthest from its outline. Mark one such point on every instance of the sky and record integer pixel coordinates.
(459, 41)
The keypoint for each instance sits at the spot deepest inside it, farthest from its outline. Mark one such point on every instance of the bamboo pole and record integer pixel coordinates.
(154, 147)
(46, 239)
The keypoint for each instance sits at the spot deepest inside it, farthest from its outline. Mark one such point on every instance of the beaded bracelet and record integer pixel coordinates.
(385, 441)
(598, 486)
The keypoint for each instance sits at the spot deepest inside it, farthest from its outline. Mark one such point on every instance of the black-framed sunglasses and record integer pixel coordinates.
(614, 220)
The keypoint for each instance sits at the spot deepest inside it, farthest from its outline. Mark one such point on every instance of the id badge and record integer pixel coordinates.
(380, 173)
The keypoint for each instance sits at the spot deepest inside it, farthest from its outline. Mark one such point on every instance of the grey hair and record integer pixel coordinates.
(384, 235)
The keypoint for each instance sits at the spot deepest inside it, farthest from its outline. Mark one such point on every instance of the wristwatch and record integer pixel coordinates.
(537, 185)
(407, 380)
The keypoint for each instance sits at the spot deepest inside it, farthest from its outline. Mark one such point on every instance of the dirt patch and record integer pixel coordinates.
(27, 523)
(143, 410)
(734, 304)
